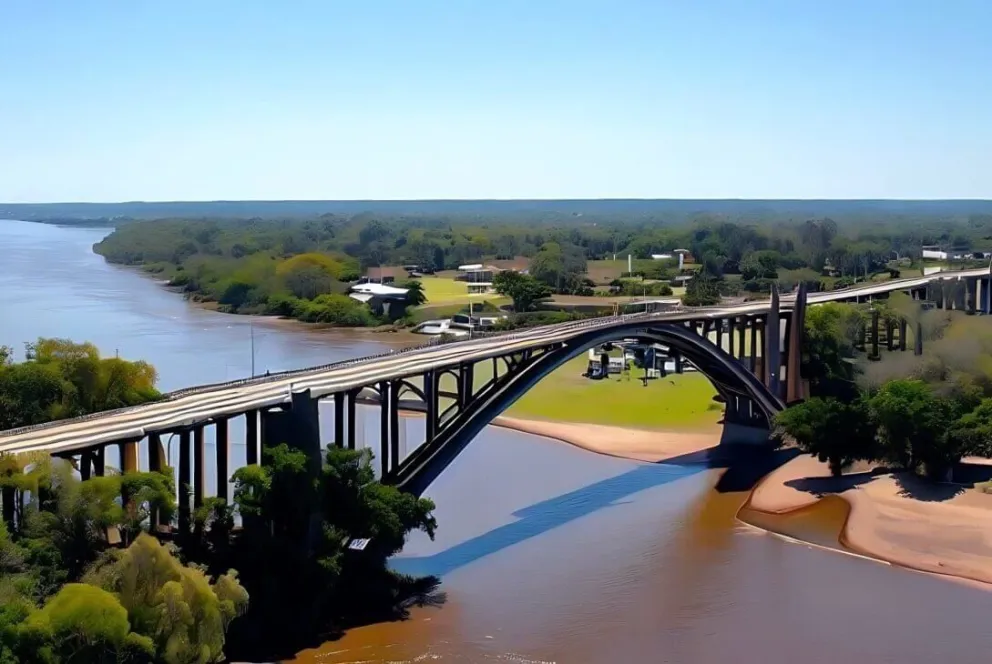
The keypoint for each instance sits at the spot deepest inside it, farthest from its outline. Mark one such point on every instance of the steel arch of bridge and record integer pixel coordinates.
(749, 401)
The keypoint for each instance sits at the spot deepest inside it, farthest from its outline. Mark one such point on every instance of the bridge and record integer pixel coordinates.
(441, 379)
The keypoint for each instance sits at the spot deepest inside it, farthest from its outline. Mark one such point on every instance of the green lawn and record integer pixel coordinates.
(675, 402)
(441, 290)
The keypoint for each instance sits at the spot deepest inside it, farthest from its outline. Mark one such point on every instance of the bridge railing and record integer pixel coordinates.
(433, 342)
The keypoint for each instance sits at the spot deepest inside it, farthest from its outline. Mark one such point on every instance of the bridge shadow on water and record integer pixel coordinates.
(744, 467)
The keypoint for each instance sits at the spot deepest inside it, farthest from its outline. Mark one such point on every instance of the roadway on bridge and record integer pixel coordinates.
(201, 404)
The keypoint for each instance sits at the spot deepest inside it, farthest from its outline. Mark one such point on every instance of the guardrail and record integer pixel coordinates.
(434, 342)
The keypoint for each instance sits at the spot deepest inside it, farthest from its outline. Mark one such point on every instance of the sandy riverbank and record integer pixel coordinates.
(943, 529)
(638, 444)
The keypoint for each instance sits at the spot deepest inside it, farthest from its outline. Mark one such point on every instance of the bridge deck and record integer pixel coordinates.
(200, 404)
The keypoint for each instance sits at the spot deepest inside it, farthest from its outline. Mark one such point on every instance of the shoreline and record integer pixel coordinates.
(403, 336)
(891, 518)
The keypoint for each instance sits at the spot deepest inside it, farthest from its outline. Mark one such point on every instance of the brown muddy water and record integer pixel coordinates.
(547, 553)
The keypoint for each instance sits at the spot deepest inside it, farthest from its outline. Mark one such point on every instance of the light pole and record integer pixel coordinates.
(251, 326)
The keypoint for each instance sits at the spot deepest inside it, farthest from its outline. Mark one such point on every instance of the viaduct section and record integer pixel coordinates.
(751, 352)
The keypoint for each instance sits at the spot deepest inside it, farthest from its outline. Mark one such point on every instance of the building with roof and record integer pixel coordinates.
(379, 297)
(478, 277)
(385, 274)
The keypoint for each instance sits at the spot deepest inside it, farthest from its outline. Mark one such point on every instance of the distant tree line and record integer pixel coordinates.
(301, 267)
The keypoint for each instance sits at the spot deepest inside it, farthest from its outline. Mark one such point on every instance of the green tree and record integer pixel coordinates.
(835, 432)
(761, 265)
(972, 433)
(172, 605)
(829, 353)
(560, 267)
(913, 426)
(524, 290)
(702, 291)
(84, 623)
(415, 295)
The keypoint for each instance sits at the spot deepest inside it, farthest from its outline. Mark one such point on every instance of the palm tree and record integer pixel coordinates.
(414, 293)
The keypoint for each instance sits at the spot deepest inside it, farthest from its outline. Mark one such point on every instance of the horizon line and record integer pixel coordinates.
(500, 200)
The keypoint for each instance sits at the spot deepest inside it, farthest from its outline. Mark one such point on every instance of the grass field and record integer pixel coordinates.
(444, 290)
(678, 401)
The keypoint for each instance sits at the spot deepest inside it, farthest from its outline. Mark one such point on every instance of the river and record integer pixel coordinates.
(547, 553)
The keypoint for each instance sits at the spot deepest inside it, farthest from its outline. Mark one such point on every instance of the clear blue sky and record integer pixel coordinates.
(259, 99)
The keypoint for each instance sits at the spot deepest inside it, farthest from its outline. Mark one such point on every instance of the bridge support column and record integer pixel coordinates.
(971, 294)
(297, 425)
(719, 336)
(7, 498)
(156, 464)
(918, 339)
(352, 422)
(742, 339)
(100, 461)
(466, 385)
(184, 483)
(903, 329)
(128, 453)
(731, 412)
(677, 357)
(758, 341)
(223, 455)
(890, 331)
(199, 470)
(85, 465)
(794, 388)
(394, 423)
(986, 300)
(339, 399)
(960, 296)
(384, 427)
(874, 334)
(251, 437)
(431, 384)
(773, 348)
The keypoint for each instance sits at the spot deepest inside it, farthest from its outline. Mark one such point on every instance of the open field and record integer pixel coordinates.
(445, 290)
(603, 272)
(678, 401)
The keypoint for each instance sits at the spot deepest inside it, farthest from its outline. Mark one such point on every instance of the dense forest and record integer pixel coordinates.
(302, 266)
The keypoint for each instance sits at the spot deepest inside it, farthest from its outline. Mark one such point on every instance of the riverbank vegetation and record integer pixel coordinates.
(85, 577)
(60, 379)
(302, 266)
(921, 414)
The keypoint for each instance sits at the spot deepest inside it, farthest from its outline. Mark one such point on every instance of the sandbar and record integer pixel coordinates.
(939, 528)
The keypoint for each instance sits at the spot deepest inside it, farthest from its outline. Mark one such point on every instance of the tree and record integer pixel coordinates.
(913, 425)
(173, 606)
(972, 433)
(702, 291)
(828, 359)
(559, 267)
(60, 379)
(415, 295)
(87, 624)
(760, 265)
(309, 275)
(524, 290)
(834, 432)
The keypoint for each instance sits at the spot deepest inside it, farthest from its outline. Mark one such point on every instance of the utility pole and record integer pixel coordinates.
(251, 326)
